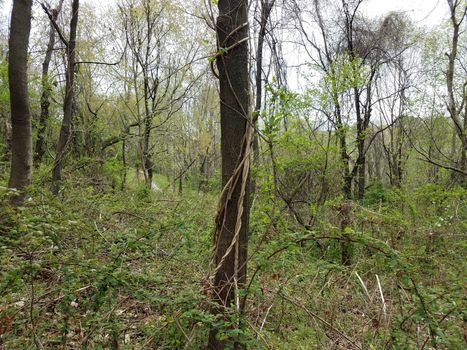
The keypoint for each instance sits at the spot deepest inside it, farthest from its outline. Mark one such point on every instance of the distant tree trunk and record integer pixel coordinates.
(377, 157)
(360, 166)
(7, 132)
(266, 7)
(46, 89)
(203, 170)
(67, 122)
(362, 126)
(361, 180)
(455, 107)
(21, 142)
(124, 165)
(398, 170)
(346, 246)
(147, 156)
(361, 161)
(231, 237)
(358, 170)
(345, 160)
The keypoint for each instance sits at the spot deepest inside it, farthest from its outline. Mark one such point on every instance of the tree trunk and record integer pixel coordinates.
(266, 7)
(463, 160)
(362, 134)
(67, 122)
(361, 170)
(21, 142)
(203, 170)
(346, 245)
(7, 132)
(147, 161)
(399, 172)
(454, 107)
(124, 166)
(345, 159)
(46, 89)
(231, 237)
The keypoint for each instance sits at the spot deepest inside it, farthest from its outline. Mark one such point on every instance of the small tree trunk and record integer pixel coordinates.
(266, 7)
(399, 171)
(346, 246)
(378, 156)
(124, 165)
(21, 142)
(203, 170)
(345, 160)
(455, 109)
(7, 130)
(147, 161)
(46, 89)
(361, 171)
(67, 122)
(463, 161)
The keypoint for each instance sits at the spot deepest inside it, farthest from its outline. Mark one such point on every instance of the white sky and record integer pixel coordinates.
(425, 12)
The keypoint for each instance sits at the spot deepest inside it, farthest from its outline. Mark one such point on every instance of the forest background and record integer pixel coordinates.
(349, 162)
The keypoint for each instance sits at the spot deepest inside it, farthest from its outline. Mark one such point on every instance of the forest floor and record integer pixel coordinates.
(98, 268)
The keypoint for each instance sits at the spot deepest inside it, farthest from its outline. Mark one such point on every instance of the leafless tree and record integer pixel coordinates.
(158, 73)
(65, 130)
(39, 149)
(457, 101)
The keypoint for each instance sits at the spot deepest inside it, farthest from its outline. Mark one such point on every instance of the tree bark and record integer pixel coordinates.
(7, 132)
(266, 7)
(147, 154)
(21, 142)
(454, 108)
(231, 237)
(345, 159)
(346, 245)
(124, 166)
(362, 133)
(46, 90)
(67, 122)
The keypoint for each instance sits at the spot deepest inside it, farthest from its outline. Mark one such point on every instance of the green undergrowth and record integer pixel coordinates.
(405, 288)
(100, 268)
(95, 268)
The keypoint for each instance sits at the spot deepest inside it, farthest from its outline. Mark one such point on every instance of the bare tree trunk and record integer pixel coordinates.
(266, 7)
(346, 245)
(377, 159)
(67, 122)
(361, 180)
(46, 89)
(399, 172)
(362, 125)
(147, 156)
(7, 132)
(360, 167)
(345, 160)
(231, 237)
(124, 165)
(203, 170)
(454, 107)
(21, 142)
